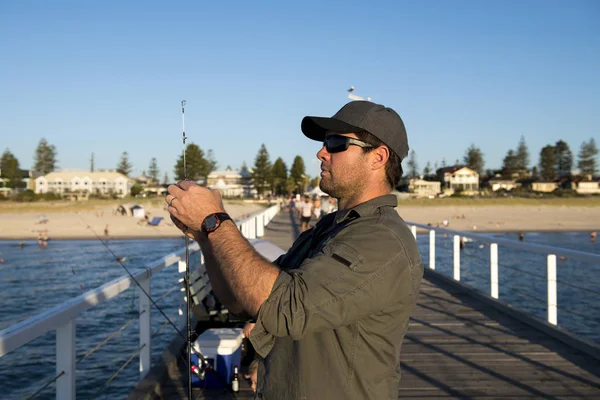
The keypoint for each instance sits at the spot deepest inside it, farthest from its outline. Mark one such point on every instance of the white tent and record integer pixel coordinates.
(317, 192)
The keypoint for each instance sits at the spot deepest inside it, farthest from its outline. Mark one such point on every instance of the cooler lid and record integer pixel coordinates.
(221, 338)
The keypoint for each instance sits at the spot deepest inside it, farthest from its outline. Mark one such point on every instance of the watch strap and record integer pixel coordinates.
(220, 218)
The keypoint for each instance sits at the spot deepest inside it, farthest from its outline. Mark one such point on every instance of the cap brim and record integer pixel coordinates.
(315, 128)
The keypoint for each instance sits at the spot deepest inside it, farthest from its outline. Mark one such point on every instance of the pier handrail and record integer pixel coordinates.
(550, 251)
(61, 318)
(536, 248)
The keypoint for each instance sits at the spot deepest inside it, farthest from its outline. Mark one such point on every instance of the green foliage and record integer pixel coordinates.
(124, 166)
(427, 170)
(26, 196)
(198, 167)
(153, 171)
(92, 163)
(413, 166)
(564, 159)
(262, 170)
(44, 157)
(136, 189)
(510, 163)
(522, 154)
(587, 158)
(547, 163)
(9, 168)
(280, 176)
(166, 179)
(297, 174)
(474, 159)
(244, 167)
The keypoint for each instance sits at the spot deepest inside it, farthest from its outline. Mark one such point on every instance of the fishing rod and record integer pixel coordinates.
(187, 268)
(204, 366)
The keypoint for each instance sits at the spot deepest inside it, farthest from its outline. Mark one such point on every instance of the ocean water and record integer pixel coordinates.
(34, 279)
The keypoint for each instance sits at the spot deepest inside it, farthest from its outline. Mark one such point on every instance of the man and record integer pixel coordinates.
(305, 212)
(332, 312)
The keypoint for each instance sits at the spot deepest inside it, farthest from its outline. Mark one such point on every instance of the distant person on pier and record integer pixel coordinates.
(305, 212)
(593, 237)
(332, 312)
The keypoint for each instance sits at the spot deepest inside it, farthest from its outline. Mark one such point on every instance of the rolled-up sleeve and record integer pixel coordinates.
(338, 286)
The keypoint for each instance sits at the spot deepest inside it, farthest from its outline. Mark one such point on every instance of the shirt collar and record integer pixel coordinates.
(368, 207)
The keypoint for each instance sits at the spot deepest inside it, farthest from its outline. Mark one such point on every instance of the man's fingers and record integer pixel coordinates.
(185, 184)
(174, 190)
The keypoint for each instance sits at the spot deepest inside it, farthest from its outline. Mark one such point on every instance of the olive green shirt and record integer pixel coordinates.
(334, 322)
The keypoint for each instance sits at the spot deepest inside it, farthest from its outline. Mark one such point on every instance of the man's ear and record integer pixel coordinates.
(379, 157)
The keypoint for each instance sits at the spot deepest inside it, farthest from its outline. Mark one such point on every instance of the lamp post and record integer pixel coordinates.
(352, 96)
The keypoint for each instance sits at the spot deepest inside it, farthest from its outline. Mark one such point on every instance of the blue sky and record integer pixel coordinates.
(107, 77)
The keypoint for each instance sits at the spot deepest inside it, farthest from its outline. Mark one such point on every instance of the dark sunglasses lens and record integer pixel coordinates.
(335, 144)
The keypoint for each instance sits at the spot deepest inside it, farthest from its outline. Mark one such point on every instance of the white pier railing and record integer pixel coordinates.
(62, 318)
(550, 252)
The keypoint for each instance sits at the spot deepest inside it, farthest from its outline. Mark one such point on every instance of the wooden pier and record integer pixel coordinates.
(458, 346)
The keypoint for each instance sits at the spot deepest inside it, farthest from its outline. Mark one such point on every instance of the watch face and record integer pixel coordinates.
(211, 222)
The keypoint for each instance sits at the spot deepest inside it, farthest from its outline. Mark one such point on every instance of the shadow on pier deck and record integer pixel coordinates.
(457, 346)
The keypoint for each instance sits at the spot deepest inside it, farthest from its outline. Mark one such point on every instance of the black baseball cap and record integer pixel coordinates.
(357, 116)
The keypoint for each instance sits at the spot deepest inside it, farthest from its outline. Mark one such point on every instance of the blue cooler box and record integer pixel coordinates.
(223, 350)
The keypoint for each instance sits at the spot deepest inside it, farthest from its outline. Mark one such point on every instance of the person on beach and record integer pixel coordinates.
(332, 312)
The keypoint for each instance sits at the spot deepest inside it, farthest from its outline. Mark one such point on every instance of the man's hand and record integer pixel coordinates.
(190, 204)
(253, 374)
(191, 233)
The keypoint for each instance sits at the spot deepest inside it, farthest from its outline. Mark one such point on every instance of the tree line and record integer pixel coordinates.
(555, 161)
(198, 165)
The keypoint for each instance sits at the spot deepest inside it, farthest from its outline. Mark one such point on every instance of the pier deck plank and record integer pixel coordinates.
(459, 347)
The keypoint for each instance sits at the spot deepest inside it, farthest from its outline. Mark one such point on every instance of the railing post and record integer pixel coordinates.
(432, 249)
(552, 300)
(182, 304)
(145, 327)
(456, 257)
(413, 229)
(260, 225)
(494, 270)
(65, 361)
(252, 228)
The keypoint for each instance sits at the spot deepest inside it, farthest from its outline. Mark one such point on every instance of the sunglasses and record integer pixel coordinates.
(339, 143)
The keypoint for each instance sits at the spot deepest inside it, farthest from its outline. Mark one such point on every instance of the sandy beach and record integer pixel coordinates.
(506, 218)
(24, 225)
(86, 224)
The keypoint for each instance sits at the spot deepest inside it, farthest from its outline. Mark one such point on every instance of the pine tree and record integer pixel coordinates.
(280, 175)
(547, 168)
(45, 157)
(587, 158)
(197, 166)
(244, 167)
(509, 164)
(262, 170)
(92, 163)
(124, 167)
(166, 179)
(413, 166)
(427, 170)
(9, 170)
(297, 174)
(153, 171)
(564, 159)
(474, 159)
(522, 160)
(212, 162)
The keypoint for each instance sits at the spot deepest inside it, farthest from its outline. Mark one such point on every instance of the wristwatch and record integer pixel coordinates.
(212, 222)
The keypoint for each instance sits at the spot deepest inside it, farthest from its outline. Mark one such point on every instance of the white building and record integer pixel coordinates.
(423, 188)
(503, 184)
(232, 183)
(461, 178)
(84, 182)
(588, 187)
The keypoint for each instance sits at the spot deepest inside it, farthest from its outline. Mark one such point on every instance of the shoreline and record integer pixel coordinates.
(420, 231)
